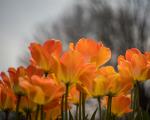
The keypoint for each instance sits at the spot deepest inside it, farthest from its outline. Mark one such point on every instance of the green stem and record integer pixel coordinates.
(66, 102)
(30, 117)
(17, 106)
(62, 108)
(108, 115)
(80, 109)
(147, 108)
(42, 112)
(37, 112)
(27, 114)
(133, 102)
(138, 107)
(77, 106)
(133, 98)
(6, 113)
(114, 117)
(136, 104)
(100, 110)
(83, 106)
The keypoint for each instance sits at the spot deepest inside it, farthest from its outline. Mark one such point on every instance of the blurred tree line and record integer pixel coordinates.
(119, 24)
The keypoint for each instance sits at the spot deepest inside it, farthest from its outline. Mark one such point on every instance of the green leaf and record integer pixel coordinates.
(93, 116)
(86, 117)
(145, 115)
(70, 115)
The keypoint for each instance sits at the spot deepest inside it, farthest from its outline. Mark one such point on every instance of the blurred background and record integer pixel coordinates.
(119, 24)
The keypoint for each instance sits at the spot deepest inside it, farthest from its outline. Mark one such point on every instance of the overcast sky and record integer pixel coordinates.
(18, 19)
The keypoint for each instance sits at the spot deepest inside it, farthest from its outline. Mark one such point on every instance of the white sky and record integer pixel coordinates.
(18, 19)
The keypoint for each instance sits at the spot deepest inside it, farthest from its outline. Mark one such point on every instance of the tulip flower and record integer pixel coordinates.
(41, 90)
(14, 76)
(71, 64)
(73, 67)
(32, 70)
(108, 82)
(147, 55)
(52, 110)
(134, 66)
(74, 95)
(121, 105)
(7, 97)
(13, 84)
(13, 79)
(5, 79)
(95, 52)
(44, 56)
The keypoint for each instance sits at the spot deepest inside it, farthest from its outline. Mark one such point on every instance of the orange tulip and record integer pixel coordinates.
(108, 82)
(52, 110)
(94, 52)
(121, 105)
(44, 56)
(12, 81)
(73, 67)
(147, 55)
(31, 70)
(14, 76)
(134, 66)
(5, 79)
(42, 90)
(85, 83)
(74, 95)
(7, 97)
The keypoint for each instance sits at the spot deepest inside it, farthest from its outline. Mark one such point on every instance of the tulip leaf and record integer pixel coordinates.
(146, 115)
(93, 116)
(86, 117)
(70, 115)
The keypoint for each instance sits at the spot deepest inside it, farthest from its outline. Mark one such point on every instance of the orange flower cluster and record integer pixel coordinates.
(81, 69)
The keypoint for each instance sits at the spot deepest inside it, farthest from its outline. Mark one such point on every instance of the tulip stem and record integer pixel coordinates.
(83, 105)
(77, 106)
(62, 108)
(17, 106)
(100, 110)
(66, 101)
(80, 109)
(42, 112)
(135, 100)
(27, 114)
(37, 112)
(30, 117)
(114, 117)
(133, 103)
(108, 115)
(6, 113)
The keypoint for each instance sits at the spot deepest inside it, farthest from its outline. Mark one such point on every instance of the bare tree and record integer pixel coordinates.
(120, 27)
